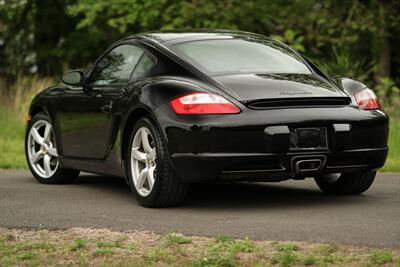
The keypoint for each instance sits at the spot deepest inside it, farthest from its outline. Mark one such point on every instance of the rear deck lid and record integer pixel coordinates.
(258, 87)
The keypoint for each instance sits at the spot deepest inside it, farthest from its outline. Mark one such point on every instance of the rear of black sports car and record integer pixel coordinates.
(280, 126)
(277, 143)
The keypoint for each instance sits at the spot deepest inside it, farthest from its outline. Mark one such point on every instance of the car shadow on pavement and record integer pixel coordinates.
(109, 183)
(264, 195)
(236, 195)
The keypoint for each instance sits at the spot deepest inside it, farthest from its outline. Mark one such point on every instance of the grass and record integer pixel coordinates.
(88, 247)
(103, 252)
(12, 140)
(78, 245)
(379, 256)
(13, 110)
(393, 161)
(286, 254)
(310, 260)
(174, 238)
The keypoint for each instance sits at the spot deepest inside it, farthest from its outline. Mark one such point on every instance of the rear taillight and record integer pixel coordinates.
(366, 99)
(203, 103)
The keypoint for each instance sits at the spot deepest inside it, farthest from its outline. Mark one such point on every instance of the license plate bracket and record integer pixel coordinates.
(310, 138)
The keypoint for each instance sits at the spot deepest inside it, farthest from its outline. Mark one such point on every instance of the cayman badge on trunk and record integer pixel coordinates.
(292, 93)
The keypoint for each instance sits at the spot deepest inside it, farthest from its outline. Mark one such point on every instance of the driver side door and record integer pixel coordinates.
(87, 115)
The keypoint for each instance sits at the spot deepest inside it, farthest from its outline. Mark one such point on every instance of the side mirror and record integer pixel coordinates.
(73, 77)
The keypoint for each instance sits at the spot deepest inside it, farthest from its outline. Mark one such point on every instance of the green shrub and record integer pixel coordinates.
(388, 93)
(245, 245)
(379, 256)
(310, 260)
(287, 247)
(79, 244)
(341, 63)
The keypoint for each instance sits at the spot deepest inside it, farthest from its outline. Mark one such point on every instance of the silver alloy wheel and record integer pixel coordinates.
(143, 161)
(42, 153)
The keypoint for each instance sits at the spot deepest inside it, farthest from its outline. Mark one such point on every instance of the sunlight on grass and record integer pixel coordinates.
(393, 161)
(11, 140)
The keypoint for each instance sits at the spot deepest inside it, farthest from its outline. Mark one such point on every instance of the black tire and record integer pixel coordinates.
(347, 183)
(168, 189)
(61, 175)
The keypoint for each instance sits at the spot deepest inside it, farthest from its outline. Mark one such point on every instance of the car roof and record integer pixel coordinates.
(171, 37)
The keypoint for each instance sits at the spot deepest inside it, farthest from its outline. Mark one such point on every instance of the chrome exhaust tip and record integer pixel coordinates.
(302, 165)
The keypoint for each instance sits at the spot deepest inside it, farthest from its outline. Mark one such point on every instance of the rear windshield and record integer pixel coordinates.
(235, 56)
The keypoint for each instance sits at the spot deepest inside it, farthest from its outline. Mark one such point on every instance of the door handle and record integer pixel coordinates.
(107, 107)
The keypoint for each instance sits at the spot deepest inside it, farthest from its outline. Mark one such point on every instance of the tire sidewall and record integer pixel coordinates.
(348, 183)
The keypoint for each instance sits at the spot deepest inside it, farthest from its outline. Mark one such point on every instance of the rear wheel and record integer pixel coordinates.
(151, 177)
(41, 153)
(346, 183)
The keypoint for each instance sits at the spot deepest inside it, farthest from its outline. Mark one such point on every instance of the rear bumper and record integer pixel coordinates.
(255, 145)
(272, 167)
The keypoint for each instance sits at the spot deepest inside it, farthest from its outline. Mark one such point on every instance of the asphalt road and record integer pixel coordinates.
(292, 210)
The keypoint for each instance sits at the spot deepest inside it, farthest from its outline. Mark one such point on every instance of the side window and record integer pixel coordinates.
(143, 67)
(117, 65)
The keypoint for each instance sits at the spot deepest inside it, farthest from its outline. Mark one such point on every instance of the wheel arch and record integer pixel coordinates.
(135, 115)
(37, 109)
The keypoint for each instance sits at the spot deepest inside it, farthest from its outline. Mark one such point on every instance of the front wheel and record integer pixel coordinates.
(346, 183)
(151, 177)
(41, 153)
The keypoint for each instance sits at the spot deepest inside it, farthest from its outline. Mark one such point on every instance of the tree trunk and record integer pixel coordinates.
(50, 25)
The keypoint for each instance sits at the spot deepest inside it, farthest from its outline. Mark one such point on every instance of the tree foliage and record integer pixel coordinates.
(357, 38)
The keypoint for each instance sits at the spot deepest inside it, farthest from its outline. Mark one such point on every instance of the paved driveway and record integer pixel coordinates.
(292, 210)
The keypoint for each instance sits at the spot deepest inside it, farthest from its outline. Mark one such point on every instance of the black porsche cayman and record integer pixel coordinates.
(166, 109)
